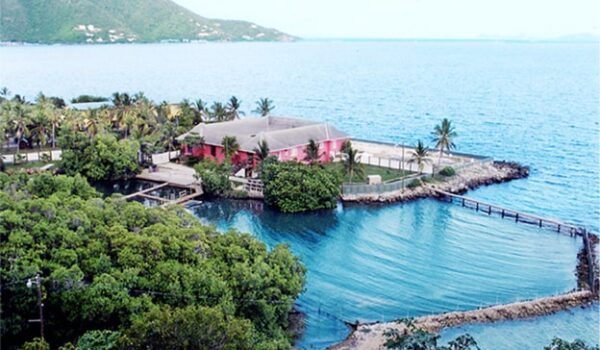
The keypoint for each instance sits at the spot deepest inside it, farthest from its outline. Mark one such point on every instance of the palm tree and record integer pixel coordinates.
(169, 135)
(233, 107)
(4, 92)
(201, 111)
(420, 155)
(352, 164)
(54, 118)
(39, 132)
(218, 112)
(262, 150)
(264, 106)
(230, 146)
(194, 140)
(443, 136)
(312, 152)
(20, 121)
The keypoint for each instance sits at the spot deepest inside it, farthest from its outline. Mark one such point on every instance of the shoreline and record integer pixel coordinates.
(371, 335)
(467, 179)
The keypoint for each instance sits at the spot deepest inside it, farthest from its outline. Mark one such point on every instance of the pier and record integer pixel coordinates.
(505, 213)
(187, 193)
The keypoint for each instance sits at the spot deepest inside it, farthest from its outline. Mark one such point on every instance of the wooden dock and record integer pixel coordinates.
(519, 217)
(183, 197)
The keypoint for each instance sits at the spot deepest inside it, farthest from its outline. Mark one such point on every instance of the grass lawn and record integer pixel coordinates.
(385, 173)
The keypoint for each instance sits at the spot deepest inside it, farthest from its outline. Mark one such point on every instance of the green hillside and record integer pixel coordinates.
(105, 21)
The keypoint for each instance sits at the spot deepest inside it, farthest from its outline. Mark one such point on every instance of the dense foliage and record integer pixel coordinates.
(215, 176)
(115, 274)
(577, 344)
(102, 157)
(295, 187)
(413, 338)
(88, 98)
(53, 21)
(155, 126)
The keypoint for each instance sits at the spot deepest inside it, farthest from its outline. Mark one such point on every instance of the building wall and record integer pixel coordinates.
(328, 150)
(216, 153)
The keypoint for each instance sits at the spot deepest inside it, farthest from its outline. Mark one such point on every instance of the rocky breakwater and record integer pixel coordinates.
(372, 336)
(466, 179)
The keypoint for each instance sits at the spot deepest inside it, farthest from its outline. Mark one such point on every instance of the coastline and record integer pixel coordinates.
(466, 179)
(371, 336)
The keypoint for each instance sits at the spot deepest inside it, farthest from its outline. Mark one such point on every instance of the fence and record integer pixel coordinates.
(358, 189)
(395, 164)
(165, 157)
(29, 156)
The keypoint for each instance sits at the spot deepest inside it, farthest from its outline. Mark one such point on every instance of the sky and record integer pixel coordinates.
(540, 19)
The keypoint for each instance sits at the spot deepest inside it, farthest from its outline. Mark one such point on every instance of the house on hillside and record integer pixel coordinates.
(286, 137)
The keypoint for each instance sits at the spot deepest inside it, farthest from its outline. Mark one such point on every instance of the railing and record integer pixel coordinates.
(165, 157)
(399, 145)
(365, 189)
(27, 156)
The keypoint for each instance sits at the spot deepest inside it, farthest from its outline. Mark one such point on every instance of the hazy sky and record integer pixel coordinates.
(411, 18)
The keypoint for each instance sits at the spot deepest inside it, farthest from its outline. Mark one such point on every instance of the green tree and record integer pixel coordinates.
(413, 338)
(420, 155)
(233, 107)
(230, 146)
(443, 136)
(352, 164)
(100, 158)
(312, 152)
(214, 176)
(20, 118)
(264, 107)
(152, 278)
(262, 150)
(577, 344)
(294, 187)
(218, 112)
(192, 327)
(99, 340)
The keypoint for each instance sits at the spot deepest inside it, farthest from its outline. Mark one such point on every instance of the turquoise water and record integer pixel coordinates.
(579, 323)
(377, 263)
(536, 103)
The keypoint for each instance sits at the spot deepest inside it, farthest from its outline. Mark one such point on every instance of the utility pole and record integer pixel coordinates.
(38, 283)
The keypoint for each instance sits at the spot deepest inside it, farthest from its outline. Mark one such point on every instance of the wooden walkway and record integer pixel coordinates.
(518, 216)
(183, 197)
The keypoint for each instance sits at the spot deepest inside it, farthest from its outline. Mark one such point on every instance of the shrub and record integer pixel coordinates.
(447, 171)
(100, 158)
(214, 176)
(414, 183)
(98, 340)
(294, 187)
(236, 194)
(35, 344)
(88, 98)
(45, 157)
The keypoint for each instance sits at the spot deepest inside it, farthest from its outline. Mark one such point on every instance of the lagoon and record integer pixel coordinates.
(378, 263)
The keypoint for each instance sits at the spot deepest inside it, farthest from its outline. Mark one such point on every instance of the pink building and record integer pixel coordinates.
(286, 137)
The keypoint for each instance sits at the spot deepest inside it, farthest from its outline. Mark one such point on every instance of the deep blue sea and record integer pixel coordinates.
(536, 103)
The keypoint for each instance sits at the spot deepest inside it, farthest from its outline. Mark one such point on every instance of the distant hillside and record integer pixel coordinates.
(105, 21)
